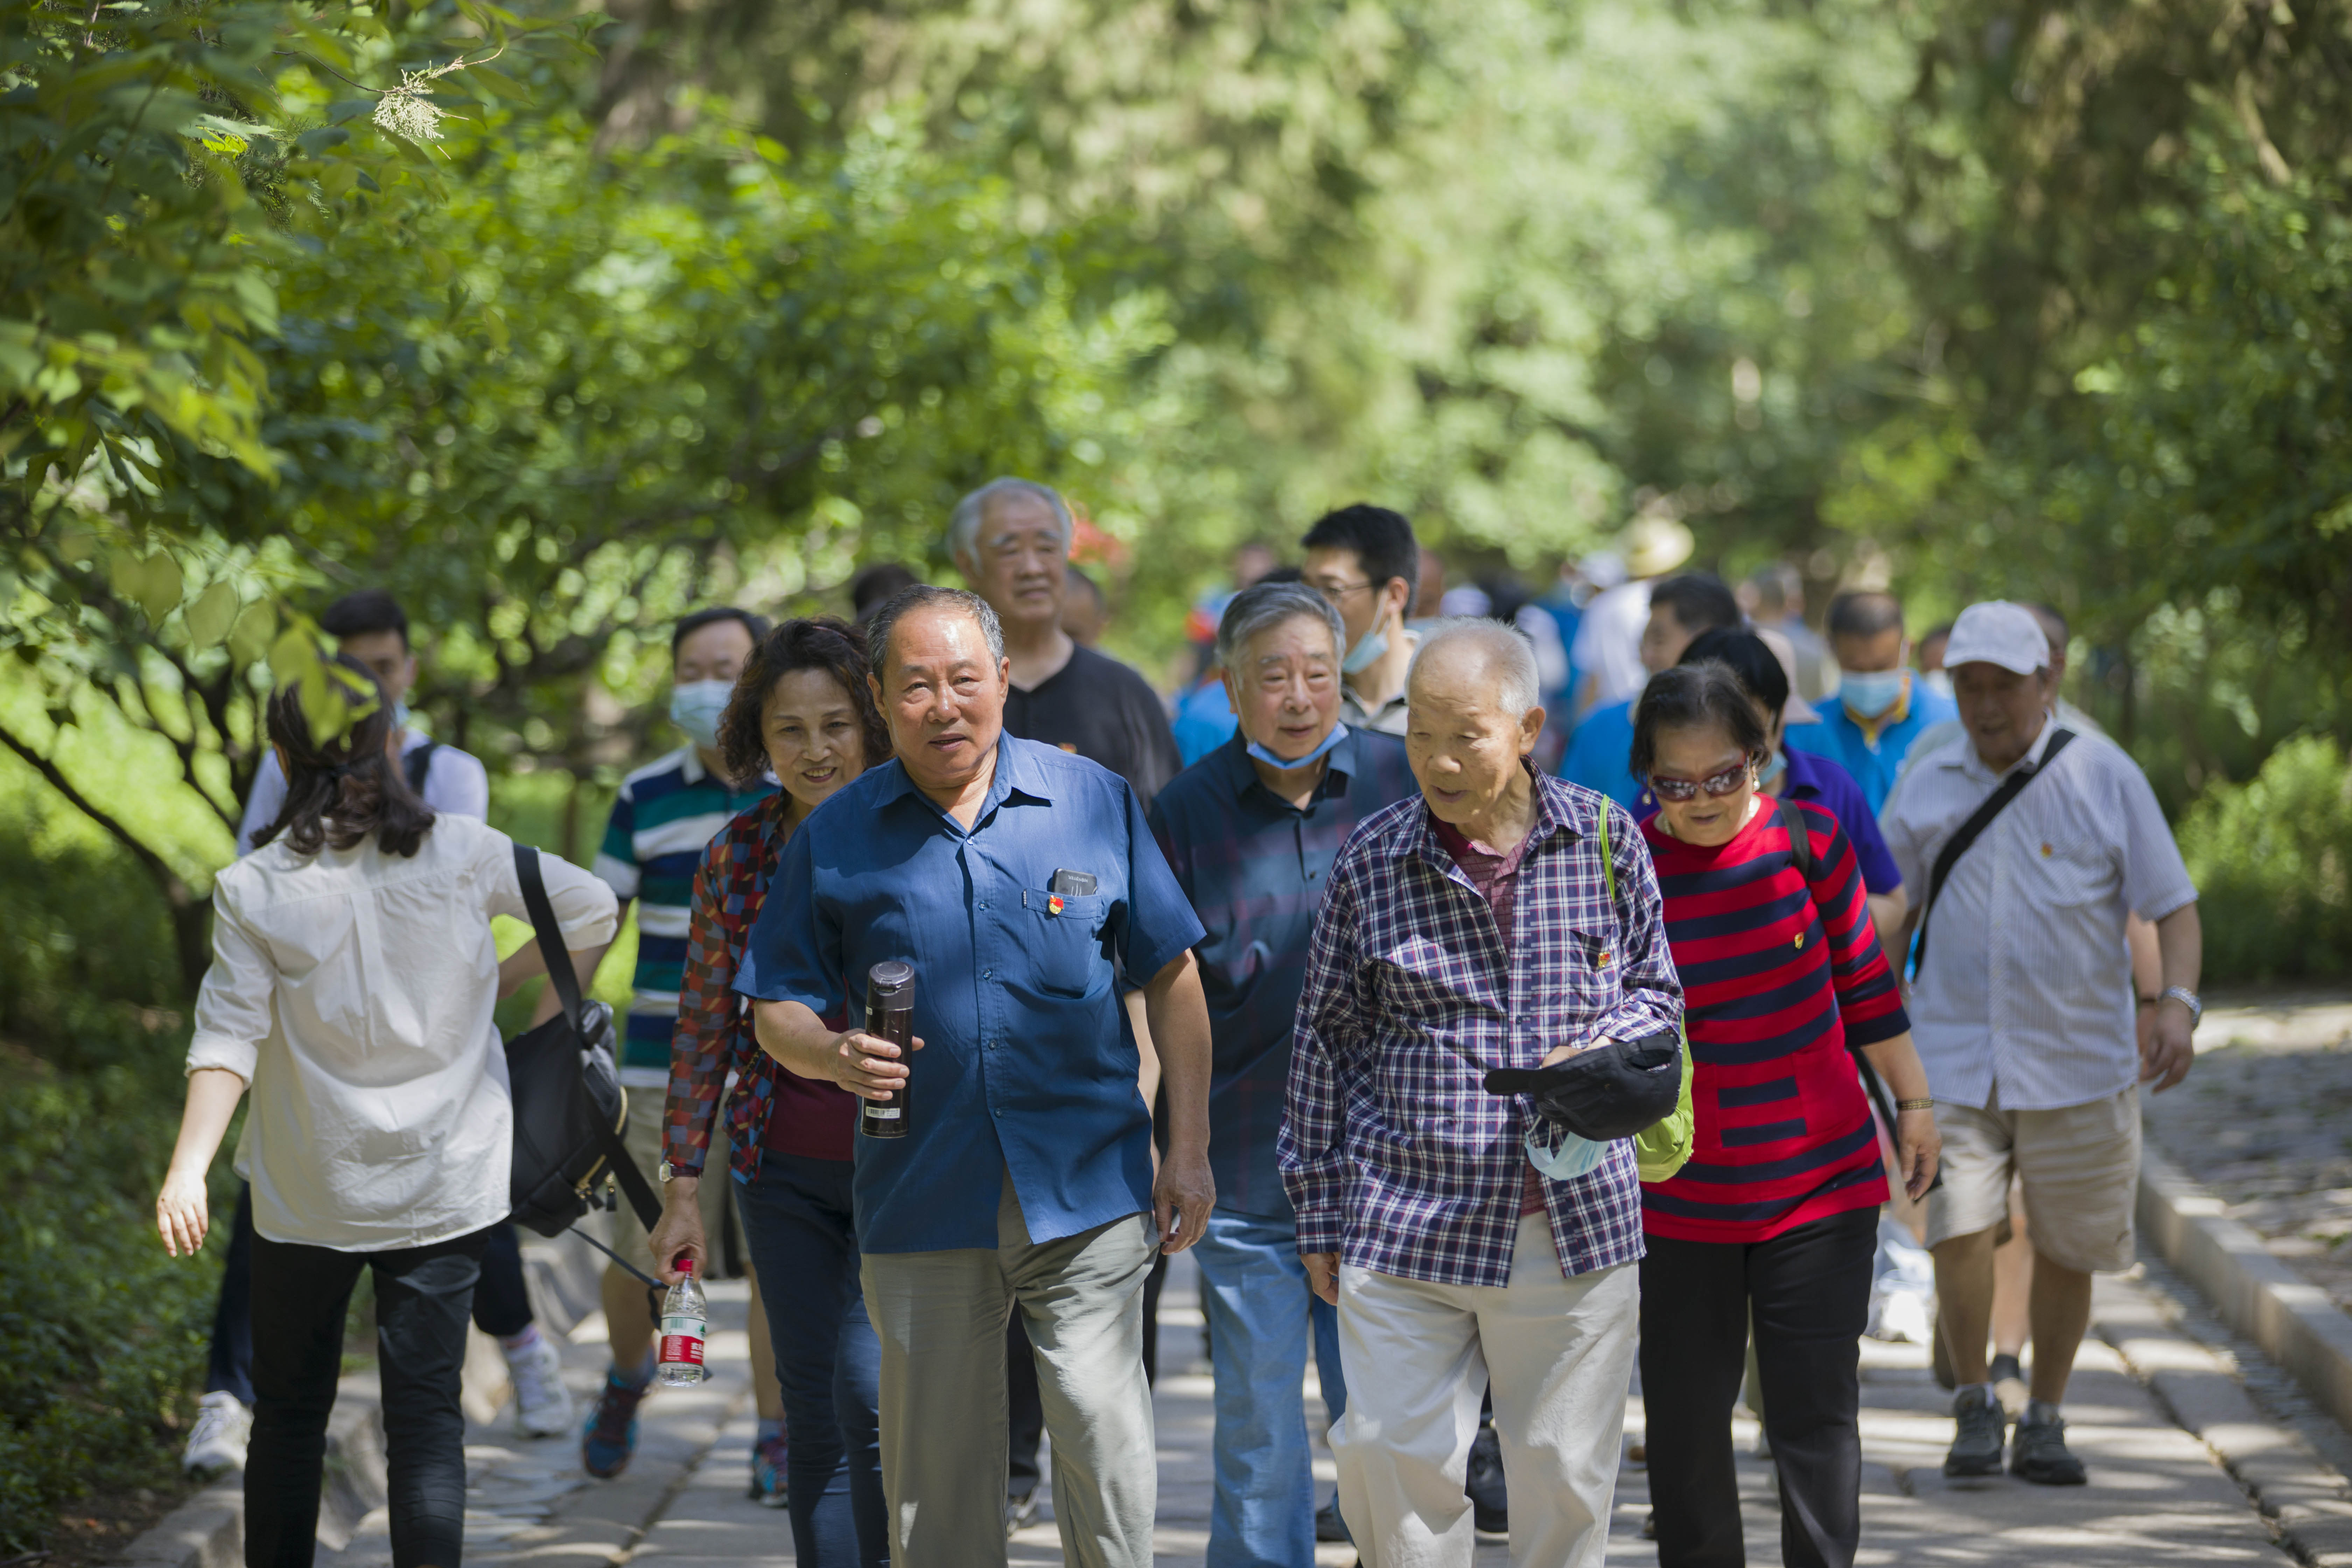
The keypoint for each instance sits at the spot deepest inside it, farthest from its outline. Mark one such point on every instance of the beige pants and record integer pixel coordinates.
(1558, 1354)
(2079, 1167)
(940, 1318)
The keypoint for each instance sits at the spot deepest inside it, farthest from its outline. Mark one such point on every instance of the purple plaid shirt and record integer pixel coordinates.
(1393, 1154)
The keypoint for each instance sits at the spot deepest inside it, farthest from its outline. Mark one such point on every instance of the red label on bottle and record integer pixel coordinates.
(681, 1348)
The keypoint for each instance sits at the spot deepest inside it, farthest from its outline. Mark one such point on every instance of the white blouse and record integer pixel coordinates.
(351, 991)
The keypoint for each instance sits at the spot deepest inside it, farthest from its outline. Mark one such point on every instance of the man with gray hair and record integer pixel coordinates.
(1252, 831)
(1017, 880)
(1011, 539)
(1476, 928)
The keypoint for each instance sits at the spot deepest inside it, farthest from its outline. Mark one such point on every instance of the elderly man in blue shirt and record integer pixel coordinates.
(1020, 881)
(1252, 831)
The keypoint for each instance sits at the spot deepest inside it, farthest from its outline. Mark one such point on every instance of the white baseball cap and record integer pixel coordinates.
(1998, 632)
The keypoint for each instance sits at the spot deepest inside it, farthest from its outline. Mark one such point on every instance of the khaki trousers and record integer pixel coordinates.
(1558, 1354)
(940, 1318)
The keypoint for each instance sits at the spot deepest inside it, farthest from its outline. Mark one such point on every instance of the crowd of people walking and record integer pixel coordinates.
(1495, 1003)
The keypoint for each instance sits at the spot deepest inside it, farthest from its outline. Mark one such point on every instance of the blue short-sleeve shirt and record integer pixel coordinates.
(1028, 1063)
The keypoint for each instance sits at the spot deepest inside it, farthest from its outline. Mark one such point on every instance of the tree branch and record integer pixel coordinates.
(176, 889)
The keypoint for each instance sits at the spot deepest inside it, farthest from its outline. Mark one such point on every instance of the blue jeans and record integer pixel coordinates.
(1253, 1291)
(803, 1241)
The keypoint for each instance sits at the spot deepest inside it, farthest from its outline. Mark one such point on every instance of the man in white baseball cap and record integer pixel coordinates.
(2028, 845)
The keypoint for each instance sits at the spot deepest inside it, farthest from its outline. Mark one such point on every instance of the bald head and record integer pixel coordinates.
(1472, 660)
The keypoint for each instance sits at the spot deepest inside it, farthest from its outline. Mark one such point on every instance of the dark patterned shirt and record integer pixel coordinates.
(1254, 868)
(1393, 1152)
(771, 1107)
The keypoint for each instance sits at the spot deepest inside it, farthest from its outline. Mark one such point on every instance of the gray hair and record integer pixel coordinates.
(1510, 656)
(963, 524)
(1265, 605)
(924, 597)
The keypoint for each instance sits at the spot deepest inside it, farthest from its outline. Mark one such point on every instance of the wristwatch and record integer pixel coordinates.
(667, 1174)
(2187, 998)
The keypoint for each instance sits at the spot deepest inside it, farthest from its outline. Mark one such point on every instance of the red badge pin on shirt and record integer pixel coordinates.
(2045, 852)
(1054, 904)
(1800, 941)
(1602, 961)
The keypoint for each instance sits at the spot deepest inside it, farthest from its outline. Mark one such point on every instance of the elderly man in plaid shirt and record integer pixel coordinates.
(1467, 929)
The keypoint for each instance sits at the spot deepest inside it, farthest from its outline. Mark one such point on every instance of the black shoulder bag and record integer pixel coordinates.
(570, 1111)
(1957, 845)
(416, 766)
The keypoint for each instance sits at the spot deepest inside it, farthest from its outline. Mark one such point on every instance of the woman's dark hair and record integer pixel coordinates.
(809, 642)
(1694, 697)
(338, 793)
(1747, 656)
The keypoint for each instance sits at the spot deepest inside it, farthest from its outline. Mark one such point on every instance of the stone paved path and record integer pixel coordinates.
(2157, 1496)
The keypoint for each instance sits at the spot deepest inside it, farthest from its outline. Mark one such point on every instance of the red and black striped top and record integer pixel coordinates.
(1777, 980)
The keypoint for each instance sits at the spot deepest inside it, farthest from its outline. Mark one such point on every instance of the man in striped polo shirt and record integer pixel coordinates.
(668, 813)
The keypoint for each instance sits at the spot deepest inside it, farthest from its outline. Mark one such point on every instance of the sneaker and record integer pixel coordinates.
(1976, 1450)
(1328, 1525)
(217, 1446)
(2008, 1380)
(2040, 1454)
(542, 1404)
(610, 1439)
(768, 1483)
(1489, 1502)
(1020, 1508)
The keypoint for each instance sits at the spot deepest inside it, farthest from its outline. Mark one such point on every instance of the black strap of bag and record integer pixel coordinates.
(1957, 845)
(559, 975)
(417, 765)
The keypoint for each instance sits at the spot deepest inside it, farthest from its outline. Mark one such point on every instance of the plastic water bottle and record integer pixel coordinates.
(684, 1322)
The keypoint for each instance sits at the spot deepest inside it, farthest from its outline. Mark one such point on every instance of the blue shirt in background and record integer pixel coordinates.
(1255, 867)
(1873, 752)
(1204, 719)
(1028, 1063)
(1600, 753)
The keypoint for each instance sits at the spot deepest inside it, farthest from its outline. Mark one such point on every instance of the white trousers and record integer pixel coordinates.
(1558, 1354)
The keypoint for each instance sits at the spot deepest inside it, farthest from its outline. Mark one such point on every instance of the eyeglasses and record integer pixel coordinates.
(1334, 591)
(1728, 782)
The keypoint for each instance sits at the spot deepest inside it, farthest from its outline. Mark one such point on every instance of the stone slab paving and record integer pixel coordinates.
(2262, 1123)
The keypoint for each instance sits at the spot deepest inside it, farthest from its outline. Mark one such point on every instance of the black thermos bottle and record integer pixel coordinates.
(890, 1015)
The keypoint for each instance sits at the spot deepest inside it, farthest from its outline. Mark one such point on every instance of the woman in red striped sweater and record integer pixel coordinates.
(1776, 1216)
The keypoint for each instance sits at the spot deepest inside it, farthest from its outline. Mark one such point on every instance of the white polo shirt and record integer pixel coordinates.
(2027, 983)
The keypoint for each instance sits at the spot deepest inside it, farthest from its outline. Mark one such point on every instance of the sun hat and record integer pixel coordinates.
(1998, 632)
(1655, 545)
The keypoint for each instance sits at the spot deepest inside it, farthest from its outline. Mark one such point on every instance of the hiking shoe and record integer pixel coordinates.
(1019, 1507)
(769, 1489)
(1489, 1502)
(610, 1439)
(217, 1446)
(1976, 1450)
(542, 1404)
(2008, 1380)
(2040, 1454)
(1328, 1525)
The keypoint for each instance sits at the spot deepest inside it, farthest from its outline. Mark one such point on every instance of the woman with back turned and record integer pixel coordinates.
(1775, 1218)
(352, 980)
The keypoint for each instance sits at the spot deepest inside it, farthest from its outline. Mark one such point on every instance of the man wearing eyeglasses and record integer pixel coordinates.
(1365, 560)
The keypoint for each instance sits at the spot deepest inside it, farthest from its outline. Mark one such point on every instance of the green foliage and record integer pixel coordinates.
(2273, 863)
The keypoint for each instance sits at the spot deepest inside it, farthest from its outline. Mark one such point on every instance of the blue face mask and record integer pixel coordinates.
(1575, 1156)
(1339, 733)
(696, 707)
(400, 715)
(1869, 693)
(1769, 781)
(1367, 651)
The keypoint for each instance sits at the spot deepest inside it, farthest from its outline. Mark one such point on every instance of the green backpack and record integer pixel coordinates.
(1664, 1147)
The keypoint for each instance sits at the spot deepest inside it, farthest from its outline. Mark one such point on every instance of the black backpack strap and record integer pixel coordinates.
(634, 1186)
(1957, 845)
(550, 936)
(1801, 838)
(416, 765)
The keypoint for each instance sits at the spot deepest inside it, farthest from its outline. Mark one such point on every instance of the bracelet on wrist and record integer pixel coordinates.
(1929, 1104)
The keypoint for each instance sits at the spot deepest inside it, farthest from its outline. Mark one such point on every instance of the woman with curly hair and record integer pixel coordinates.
(802, 709)
(353, 981)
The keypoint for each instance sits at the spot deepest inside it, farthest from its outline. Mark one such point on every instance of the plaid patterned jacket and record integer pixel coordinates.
(1393, 1154)
(713, 1036)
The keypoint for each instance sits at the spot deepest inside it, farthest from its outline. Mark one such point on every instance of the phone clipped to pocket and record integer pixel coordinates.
(1072, 884)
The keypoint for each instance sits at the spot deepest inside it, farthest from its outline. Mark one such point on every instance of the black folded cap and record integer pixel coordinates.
(1607, 1092)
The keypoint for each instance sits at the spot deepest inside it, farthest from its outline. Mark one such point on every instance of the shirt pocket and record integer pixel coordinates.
(2066, 864)
(1576, 982)
(1063, 940)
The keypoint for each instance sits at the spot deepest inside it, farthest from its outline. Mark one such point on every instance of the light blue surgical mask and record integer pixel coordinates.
(400, 715)
(1339, 733)
(696, 707)
(1576, 1156)
(1367, 651)
(1869, 693)
(1769, 781)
